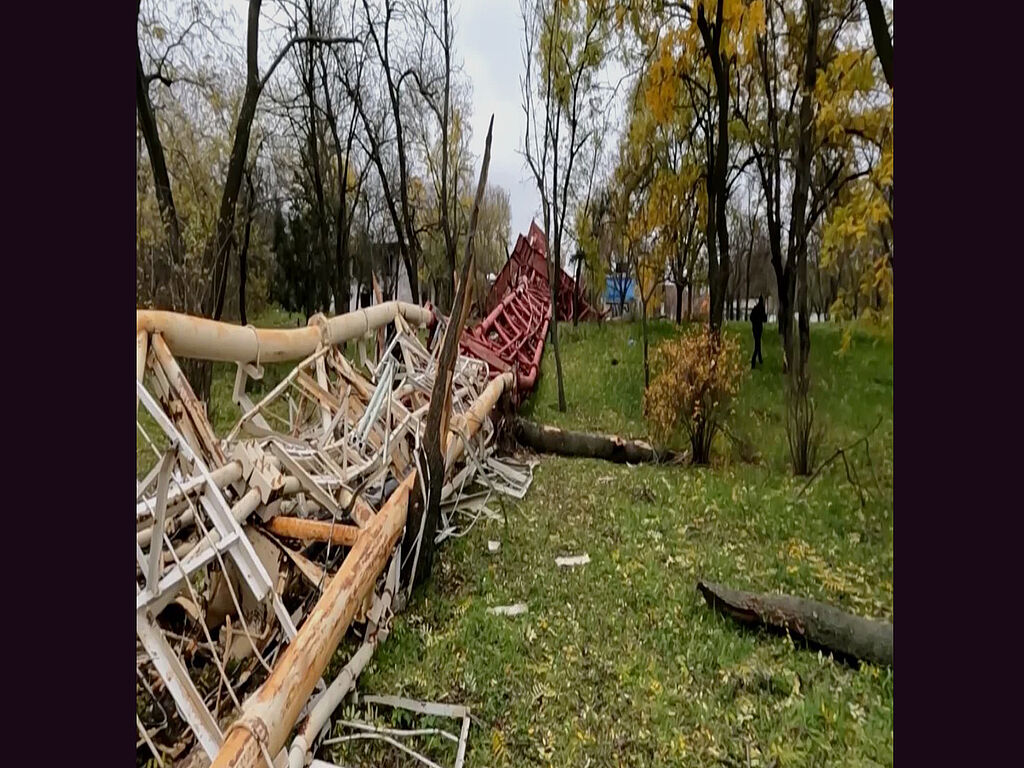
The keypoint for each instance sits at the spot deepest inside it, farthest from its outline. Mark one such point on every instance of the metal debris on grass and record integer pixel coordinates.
(571, 562)
(508, 610)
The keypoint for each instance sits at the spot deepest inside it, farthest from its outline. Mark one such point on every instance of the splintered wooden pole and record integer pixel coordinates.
(819, 624)
(425, 516)
(313, 530)
(269, 716)
(563, 442)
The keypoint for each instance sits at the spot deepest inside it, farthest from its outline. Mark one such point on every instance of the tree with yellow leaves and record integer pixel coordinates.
(858, 236)
(697, 50)
(810, 115)
(659, 188)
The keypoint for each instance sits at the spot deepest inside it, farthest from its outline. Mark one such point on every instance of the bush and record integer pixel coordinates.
(696, 377)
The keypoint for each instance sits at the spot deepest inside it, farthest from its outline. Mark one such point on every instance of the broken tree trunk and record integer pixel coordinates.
(424, 517)
(563, 442)
(819, 624)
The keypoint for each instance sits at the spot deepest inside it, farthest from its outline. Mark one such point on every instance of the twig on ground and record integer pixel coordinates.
(850, 475)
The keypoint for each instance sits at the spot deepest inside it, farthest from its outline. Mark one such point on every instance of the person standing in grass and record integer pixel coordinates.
(757, 320)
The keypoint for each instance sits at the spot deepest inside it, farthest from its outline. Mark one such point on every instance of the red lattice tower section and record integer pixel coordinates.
(511, 337)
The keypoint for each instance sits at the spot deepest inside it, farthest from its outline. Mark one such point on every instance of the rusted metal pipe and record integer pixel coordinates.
(313, 530)
(202, 339)
(270, 714)
(342, 684)
(471, 421)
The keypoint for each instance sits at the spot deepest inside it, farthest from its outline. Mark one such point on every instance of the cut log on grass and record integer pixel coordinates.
(563, 442)
(819, 624)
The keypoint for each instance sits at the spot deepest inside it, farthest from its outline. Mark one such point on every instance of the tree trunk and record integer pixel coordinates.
(880, 36)
(746, 297)
(563, 442)
(243, 254)
(679, 303)
(342, 262)
(219, 246)
(821, 625)
(319, 254)
(718, 260)
(558, 356)
(342, 281)
(554, 277)
(575, 308)
(643, 326)
(798, 228)
(164, 197)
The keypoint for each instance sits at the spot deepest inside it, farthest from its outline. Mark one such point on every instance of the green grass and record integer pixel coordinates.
(620, 662)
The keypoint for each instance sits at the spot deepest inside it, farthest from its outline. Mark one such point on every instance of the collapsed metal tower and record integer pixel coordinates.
(257, 552)
(518, 306)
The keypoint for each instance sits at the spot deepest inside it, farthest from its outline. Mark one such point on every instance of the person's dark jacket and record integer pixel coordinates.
(758, 318)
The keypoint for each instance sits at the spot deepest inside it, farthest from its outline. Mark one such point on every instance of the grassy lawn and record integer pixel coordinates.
(620, 662)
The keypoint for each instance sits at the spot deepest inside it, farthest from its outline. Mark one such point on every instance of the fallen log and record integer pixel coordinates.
(820, 625)
(564, 442)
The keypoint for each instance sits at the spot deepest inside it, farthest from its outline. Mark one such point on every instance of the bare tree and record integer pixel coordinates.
(560, 110)
(380, 38)
(164, 194)
(221, 240)
(219, 248)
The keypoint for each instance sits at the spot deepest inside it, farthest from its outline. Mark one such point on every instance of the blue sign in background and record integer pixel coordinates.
(614, 285)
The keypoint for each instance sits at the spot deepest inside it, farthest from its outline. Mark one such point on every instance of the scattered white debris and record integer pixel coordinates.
(493, 546)
(563, 562)
(508, 610)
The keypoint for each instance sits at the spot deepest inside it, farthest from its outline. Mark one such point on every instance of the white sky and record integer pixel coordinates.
(488, 36)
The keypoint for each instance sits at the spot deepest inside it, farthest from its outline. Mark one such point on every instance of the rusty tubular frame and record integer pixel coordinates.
(271, 713)
(313, 530)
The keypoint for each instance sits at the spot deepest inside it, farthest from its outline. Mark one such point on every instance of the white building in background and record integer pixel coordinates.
(404, 292)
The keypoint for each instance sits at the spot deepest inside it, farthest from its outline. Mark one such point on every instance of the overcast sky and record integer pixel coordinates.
(489, 39)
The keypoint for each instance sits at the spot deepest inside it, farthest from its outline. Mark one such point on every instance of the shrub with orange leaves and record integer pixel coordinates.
(697, 375)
